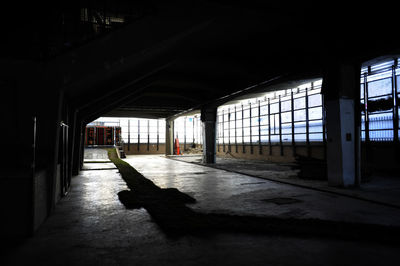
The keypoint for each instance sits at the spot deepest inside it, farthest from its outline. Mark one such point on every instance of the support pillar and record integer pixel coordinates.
(169, 136)
(341, 87)
(82, 146)
(209, 117)
(76, 146)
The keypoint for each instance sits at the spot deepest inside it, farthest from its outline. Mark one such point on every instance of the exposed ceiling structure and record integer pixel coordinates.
(172, 58)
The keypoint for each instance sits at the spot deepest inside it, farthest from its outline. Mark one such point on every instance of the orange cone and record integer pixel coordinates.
(177, 150)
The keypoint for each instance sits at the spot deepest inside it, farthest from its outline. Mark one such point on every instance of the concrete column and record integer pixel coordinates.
(169, 136)
(71, 142)
(341, 83)
(340, 146)
(209, 117)
(82, 146)
(75, 158)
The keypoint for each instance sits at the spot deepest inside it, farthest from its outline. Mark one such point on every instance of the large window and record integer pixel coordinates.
(379, 113)
(136, 130)
(188, 130)
(291, 115)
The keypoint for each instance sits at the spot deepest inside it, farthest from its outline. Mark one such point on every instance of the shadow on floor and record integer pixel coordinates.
(167, 208)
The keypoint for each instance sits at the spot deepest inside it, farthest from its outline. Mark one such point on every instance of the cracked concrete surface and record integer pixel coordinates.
(91, 227)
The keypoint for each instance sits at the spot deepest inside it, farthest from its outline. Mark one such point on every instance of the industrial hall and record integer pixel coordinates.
(204, 132)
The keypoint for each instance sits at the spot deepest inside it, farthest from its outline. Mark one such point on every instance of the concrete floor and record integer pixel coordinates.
(91, 227)
(379, 189)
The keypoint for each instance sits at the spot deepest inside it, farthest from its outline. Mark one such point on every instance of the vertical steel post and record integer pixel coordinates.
(292, 118)
(229, 129)
(219, 131)
(243, 147)
(395, 104)
(193, 142)
(366, 116)
(129, 134)
(259, 128)
(148, 134)
(223, 131)
(251, 129)
(184, 133)
(280, 125)
(236, 145)
(307, 126)
(269, 127)
(199, 131)
(138, 128)
(324, 125)
(158, 134)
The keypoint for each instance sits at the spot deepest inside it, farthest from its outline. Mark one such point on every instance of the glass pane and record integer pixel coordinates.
(264, 110)
(286, 137)
(299, 115)
(263, 120)
(246, 122)
(286, 106)
(246, 131)
(379, 87)
(314, 100)
(300, 127)
(254, 131)
(315, 136)
(238, 115)
(246, 113)
(274, 108)
(254, 121)
(225, 118)
(299, 103)
(274, 138)
(153, 123)
(143, 138)
(398, 83)
(380, 122)
(232, 124)
(264, 130)
(286, 129)
(362, 91)
(286, 117)
(315, 129)
(300, 137)
(254, 112)
(315, 113)
(254, 139)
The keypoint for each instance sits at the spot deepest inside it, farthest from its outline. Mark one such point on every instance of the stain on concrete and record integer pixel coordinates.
(168, 209)
(282, 201)
(253, 183)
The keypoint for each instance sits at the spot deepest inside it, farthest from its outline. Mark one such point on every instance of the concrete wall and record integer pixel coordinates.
(24, 203)
(25, 198)
(16, 205)
(133, 148)
(316, 151)
(40, 198)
